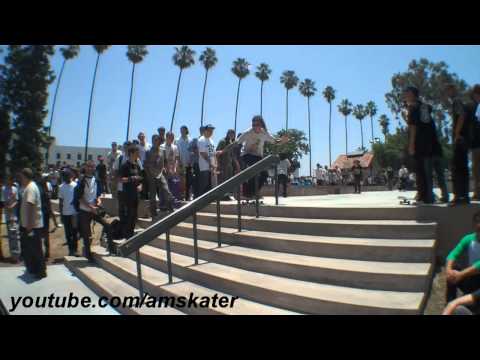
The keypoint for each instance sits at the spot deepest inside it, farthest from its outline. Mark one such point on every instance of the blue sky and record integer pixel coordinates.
(359, 73)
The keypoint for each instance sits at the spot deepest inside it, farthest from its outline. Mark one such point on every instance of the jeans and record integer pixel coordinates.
(250, 160)
(357, 184)
(476, 171)
(283, 180)
(131, 218)
(431, 164)
(196, 180)
(158, 186)
(122, 210)
(84, 225)
(460, 171)
(32, 252)
(71, 232)
(205, 182)
(467, 286)
(13, 238)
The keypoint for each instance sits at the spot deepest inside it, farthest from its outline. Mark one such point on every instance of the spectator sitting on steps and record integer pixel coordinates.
(464, 305)
(466, 278)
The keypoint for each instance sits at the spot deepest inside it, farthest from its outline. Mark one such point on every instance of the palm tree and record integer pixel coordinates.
(209, 60)
(135, 54)
(307, 88)
(384, 124)
(359, 113)
(345, 108)
(100, 49)
(290, 81)
(241, 69)
(184, 57)
(371, 110)
(329, 95)
(263, 74)
(68, 53)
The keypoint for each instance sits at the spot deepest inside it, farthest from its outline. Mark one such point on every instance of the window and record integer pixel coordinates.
(78, 163)
(90, 157)
(69, 156)
(79, 156)
(59, 156)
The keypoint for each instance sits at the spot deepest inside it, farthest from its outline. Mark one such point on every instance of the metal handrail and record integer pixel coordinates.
(164, 225)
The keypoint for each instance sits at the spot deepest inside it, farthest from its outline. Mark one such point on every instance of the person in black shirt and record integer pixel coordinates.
(131, 180)
(461, 142)
(423, 143)
(101, 171)
(473, 116)
(357, 176)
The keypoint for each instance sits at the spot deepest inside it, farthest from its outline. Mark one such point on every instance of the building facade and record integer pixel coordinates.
(73, 155)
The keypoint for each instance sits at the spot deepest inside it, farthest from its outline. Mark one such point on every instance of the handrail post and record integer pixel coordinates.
(239, 208)
(139, 273)
(219, 225)
(257, 202)
(169, 256)
(195, 238)
(275, 170)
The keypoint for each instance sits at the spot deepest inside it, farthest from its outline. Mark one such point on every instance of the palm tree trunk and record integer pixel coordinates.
(261, 100)
(176, 99)
(90, 108)
(346, 137)
(361, 130)
(203, 96)
(330, 134)
(286, 126)
(236, 106)
(309, 136)
(130, 103)
(371, 124)
(53, 109)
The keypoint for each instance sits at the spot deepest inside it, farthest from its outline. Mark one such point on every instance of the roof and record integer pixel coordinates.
(346, 162)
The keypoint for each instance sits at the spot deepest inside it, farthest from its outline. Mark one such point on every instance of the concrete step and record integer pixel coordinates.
(156, 284)
(315, 212)
(373, 275)
(106, 284)
(299, 296)
(375, 229)
(420, 250)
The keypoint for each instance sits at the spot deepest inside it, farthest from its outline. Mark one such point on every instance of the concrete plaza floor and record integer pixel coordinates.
(60, 282)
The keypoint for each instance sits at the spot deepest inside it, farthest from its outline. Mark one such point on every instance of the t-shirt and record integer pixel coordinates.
(205, 146)
(426, 141)
(357, 171)
(171, 153)
(130, 188)
(65, 193)
(253, 143)
(457, 111)
(283, 167)
(470, 244)
(31, 195)
(155, 162)
(101, 171)
(112, 160)
(10, 195)
(143, 150)
(184, 152)
(90, 192)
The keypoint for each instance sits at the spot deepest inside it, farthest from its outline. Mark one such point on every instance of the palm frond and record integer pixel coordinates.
(208, 58)
(70, 52)
(289, 79)
(184, 57)
(136, 53)
(241, 68)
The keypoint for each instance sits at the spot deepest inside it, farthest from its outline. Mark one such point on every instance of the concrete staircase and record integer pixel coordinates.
(290, 263)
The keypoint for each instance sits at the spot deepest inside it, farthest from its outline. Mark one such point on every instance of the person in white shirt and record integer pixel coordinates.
(143, 146)
(10, 196)
(112, 167)
(68, 212)
(403, 176)
(185, 163)
(89, 206)
(31, 224)
(206, 150)
(253, 141)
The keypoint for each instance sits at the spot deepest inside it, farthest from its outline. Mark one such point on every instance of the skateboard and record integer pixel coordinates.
(405, 201)
(251, 202)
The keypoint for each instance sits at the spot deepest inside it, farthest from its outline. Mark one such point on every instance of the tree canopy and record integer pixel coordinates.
(263, 72)
(307, 88)
(295, 148)
(241, 68)
(208, 58)
(136, 53)
(289, 79)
